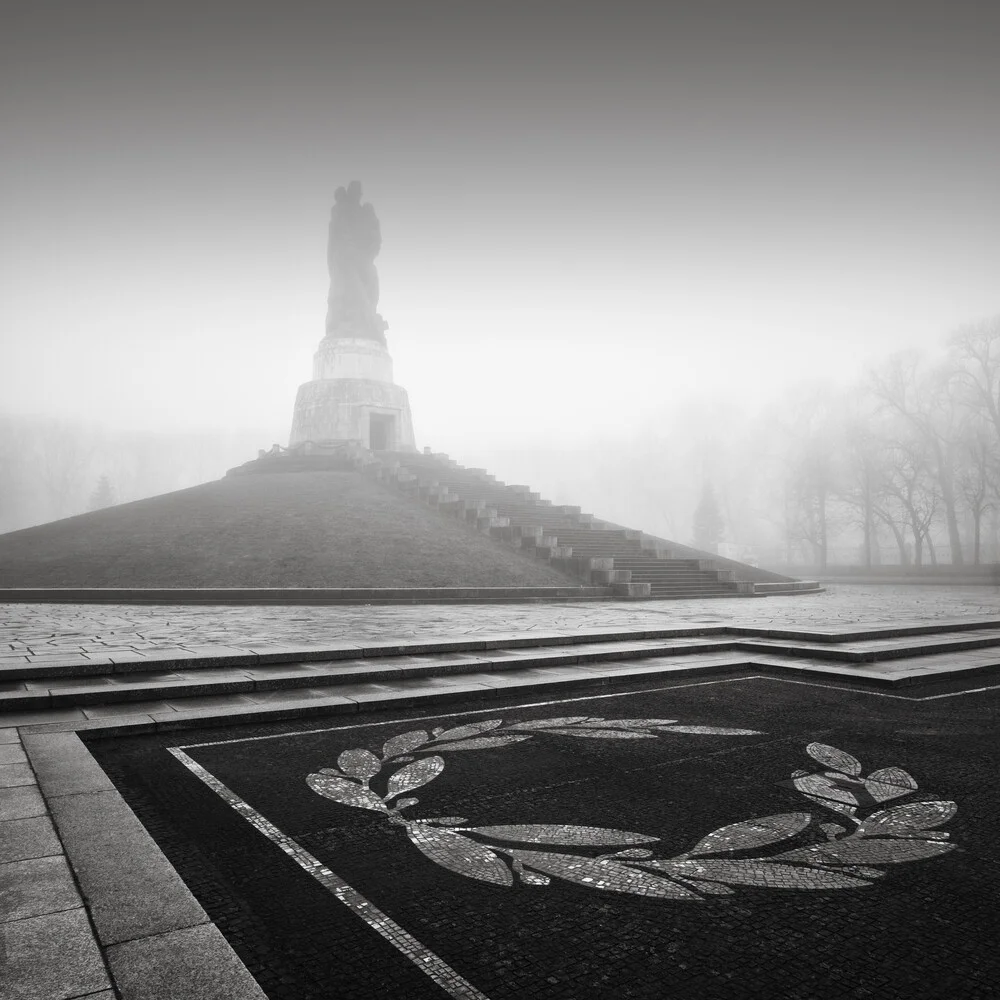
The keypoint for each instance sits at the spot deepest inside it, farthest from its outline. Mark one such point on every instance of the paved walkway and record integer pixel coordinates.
(34, 632)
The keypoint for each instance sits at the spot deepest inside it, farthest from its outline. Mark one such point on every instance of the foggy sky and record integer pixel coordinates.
(587, 210)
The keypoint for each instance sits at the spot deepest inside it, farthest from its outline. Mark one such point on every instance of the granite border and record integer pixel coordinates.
(119, 868)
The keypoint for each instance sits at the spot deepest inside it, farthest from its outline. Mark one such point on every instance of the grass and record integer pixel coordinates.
(302, 529)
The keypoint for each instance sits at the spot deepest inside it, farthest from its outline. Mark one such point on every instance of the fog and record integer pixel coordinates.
(619, 243)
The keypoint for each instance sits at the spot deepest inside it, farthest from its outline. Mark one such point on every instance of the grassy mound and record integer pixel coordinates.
(302, 529)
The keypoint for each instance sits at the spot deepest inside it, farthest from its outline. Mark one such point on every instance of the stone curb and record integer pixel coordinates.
(140, 907)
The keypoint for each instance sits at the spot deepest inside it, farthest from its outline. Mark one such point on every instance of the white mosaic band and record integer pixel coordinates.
(407, 945)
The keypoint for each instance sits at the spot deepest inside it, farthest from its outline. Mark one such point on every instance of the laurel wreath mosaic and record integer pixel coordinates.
(800, 850)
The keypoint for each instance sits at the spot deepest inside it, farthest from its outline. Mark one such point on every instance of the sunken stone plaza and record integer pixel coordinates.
(437, 737)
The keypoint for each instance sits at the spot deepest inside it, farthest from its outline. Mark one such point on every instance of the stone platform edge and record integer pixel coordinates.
(300, 595)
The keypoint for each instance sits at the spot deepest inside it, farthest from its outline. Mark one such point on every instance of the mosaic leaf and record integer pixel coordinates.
(833, 758)
(548, 723)
(889, 783)
(345, 792)
(604, 734)
(531, 878)
(759, 872)
(710, 731)
(459, 854)
(460, 732)
(483, 743)
(627, 723)
(406, 803)
(752, 833)
(633, 852)
(567, 835)
(820, 789)
(414, 775)
(604, 873)
(445, 820)
(359, 764)
(913, 817)
(855, 851)
(403, 743)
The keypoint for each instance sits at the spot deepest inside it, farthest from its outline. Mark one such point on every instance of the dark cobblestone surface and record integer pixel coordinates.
(927, 928)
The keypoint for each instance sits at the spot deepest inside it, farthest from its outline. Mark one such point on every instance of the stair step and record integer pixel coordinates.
(324, 680)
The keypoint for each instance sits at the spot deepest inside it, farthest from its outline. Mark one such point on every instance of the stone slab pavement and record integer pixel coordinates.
(39, 632)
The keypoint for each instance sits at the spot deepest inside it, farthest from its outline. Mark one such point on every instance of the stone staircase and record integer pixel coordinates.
(578, 543)
(225, 684)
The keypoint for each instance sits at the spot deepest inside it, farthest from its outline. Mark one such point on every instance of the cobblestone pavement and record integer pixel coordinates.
(40, 631)
(733, 838)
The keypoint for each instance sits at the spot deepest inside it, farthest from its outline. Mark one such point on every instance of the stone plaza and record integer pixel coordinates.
(728, 826)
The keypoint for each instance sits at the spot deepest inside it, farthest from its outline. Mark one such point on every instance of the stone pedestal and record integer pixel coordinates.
(351, 357)
(352, 398)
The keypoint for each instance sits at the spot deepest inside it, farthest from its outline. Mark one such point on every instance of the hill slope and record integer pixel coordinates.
(301, 529)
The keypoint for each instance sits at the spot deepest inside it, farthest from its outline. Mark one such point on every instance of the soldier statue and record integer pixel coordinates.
(355, 240)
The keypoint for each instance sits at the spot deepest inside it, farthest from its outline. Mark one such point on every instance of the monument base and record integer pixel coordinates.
(376, 414)
(340, 357)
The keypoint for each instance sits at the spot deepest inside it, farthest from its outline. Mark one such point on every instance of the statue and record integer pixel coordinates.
(355, 240)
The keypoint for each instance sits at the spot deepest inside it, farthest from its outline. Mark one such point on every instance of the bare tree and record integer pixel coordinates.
(978, 478)
(861, 490)
(910, 482)
(975, 351)
(926, 402)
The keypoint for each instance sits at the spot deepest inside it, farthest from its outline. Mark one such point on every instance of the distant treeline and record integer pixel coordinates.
(908, 464)
(902, 468)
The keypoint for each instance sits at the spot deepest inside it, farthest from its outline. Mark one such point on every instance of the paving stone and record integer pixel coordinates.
(21, 802)
(13, 775)
(120, 869)
(207, 702)
(51, 957)
(330, 704)
(35, 886)
(289, 696)
(11, 753)
(126, 708)
(49, 715)
(64, 765)
(33, 837)
(8, 736)
(192, 964)
(150, 677)
(108, 727)
(59, 684)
